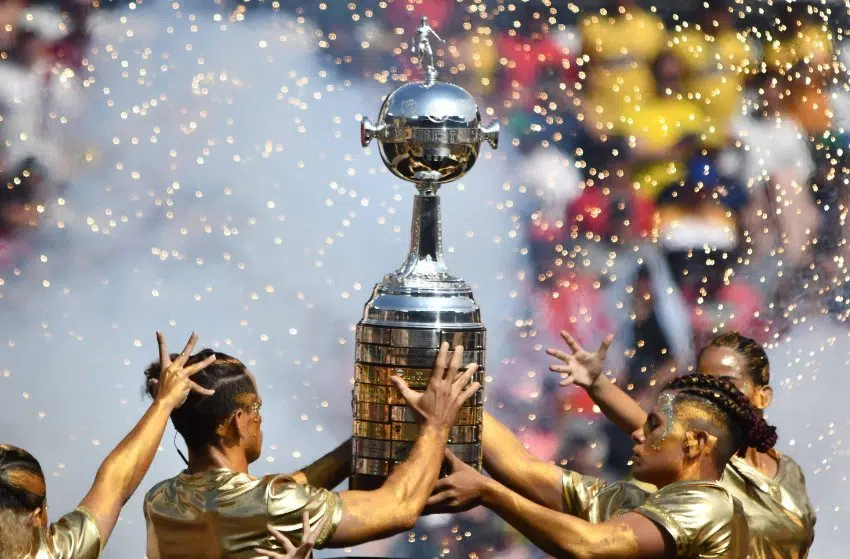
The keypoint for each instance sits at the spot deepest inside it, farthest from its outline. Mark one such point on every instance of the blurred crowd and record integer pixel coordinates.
(42, 49)
(678, 173)
(683, 172)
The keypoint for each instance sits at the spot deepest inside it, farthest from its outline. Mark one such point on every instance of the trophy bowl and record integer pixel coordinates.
(429, 132)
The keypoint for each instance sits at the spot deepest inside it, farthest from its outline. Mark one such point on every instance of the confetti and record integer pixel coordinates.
(668, 173)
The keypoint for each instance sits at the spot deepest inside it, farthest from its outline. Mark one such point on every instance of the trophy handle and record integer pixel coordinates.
(369, 131)
(491, 134)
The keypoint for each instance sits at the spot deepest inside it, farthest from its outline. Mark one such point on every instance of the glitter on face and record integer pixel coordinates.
(666, 406)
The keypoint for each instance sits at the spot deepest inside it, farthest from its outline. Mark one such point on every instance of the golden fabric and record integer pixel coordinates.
(780, 517)
(778, 510)
(223, 513)
(703, 518)
(75, 536)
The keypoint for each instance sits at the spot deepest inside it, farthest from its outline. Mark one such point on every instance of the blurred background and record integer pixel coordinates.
(667, 171)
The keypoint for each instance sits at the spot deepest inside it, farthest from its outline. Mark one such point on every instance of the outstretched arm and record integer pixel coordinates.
(557, 533)
(508, 461)
(561, 535)
(121, 473)
(395, 507)
(617, 406)
(584, 369)
(328, 471)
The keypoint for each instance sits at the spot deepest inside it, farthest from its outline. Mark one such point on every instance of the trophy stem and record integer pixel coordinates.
(426, 230)
(424, 261)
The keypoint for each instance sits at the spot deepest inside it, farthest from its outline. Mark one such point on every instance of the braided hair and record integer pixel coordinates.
(197, 419)
(755, 358)
(22, 487)
(748, 427)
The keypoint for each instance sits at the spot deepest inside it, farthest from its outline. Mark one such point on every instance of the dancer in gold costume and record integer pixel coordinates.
(81, 534)
(216, 509)
(770, 485)
(697, 425)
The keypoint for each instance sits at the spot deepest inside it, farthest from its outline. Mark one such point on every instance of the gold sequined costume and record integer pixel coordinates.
(223, 513)
(778, 511)
(703, 518)
(75, 536)
(780, 516)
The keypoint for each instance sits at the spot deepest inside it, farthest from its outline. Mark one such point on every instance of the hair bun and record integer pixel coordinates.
(762, 436)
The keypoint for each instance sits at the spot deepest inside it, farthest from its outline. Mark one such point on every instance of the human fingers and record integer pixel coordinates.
(187, 350)
(195, 387)
(571, 342)
(198, 367)
(164, 360)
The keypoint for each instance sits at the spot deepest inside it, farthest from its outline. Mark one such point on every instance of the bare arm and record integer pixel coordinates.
(121, 473)
(328, 471)
(585, 369)
(617, 406)
(630, 536)
(395, 507)
(509, 463)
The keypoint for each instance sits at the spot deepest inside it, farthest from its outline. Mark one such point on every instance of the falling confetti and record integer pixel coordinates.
(671, 172)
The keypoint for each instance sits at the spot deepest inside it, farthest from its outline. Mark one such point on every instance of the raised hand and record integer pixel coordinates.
(580, 367)
(308, 540)
(174, 384)
(459, 491)
(446, 392)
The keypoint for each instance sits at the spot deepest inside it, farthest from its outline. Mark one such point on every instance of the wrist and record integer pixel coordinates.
(489, 491)
(598, 384)
(438, 427)
(161, 404)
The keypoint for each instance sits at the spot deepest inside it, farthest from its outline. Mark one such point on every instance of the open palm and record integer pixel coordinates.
(308, 540)
(579, 367)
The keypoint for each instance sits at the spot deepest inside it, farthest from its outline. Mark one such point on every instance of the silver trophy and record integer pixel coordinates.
(429, 133)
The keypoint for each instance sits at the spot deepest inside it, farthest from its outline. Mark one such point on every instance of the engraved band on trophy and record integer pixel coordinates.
(428, 133)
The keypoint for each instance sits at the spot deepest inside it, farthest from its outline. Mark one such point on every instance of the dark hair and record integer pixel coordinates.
(661, 58)
(757, 364)
(199, 417)
(16, 465)
(747, 427)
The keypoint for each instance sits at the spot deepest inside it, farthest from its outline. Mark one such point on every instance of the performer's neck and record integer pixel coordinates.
(217, 457)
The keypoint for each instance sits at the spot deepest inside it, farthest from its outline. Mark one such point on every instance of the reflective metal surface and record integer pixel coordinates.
(428, 133)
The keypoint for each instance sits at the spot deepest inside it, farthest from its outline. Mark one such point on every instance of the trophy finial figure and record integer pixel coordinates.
(422, 48)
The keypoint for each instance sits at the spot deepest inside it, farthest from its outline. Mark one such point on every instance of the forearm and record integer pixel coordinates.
(128, 463)
(508, 462)
(556, 533)
(395, 507)
(617, 406)
(328, 471)
(411, 482)
(125, 467)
